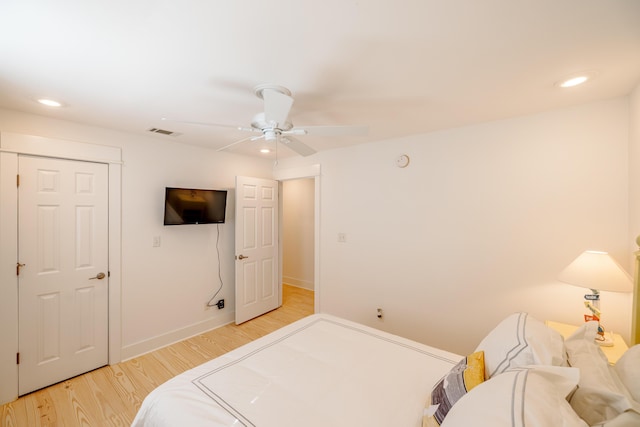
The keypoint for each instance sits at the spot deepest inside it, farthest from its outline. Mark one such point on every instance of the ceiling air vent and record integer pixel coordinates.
(163, 131)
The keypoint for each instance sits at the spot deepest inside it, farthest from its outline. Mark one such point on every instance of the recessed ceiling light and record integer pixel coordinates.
(49, 102)
(265, 150)
(576, 79)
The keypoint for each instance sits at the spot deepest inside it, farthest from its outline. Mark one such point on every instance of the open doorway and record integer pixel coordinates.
(298, 233)
(311, 172)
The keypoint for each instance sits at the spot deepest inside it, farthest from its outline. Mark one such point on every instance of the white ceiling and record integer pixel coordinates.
(401, 67)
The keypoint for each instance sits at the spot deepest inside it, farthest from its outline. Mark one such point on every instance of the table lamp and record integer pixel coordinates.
(597, 271)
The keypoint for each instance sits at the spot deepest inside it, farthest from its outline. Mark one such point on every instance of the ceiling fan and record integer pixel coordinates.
(273, 123)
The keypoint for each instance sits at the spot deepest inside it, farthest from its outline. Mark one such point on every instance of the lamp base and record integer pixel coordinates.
(604, 341)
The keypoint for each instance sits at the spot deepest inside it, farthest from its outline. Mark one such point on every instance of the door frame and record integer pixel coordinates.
(310, 171)
(11, 146)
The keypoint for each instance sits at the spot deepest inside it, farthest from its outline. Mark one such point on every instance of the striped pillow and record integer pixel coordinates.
(521, 340)
(520, 397)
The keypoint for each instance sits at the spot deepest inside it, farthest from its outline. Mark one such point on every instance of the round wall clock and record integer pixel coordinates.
(402, 161)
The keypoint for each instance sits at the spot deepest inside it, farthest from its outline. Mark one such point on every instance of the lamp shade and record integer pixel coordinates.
(597, 270)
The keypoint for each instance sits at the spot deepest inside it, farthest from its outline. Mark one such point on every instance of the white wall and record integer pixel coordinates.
(173, 282)
(164, 289)
(298, 232)
(478, 226)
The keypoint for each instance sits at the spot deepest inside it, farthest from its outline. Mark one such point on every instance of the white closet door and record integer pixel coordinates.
(63, 285)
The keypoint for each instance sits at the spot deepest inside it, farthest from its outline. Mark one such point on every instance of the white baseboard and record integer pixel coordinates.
(145, 346)
(299, 283)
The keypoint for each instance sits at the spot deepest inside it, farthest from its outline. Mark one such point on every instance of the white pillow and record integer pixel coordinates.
(628, 369)
(521, 340)
(532, 396)
(601, 396)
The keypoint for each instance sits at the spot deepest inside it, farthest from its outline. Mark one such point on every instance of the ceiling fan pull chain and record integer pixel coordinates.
(276, 162)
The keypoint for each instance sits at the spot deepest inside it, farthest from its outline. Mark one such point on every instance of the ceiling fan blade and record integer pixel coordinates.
(297, 145)
(203, 123)
(332, 130)
(249, 138)
(276, 106)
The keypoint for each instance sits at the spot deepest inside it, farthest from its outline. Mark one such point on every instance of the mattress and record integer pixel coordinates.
(318, 371)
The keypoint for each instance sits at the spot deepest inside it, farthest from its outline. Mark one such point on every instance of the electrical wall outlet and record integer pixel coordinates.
(220, 304)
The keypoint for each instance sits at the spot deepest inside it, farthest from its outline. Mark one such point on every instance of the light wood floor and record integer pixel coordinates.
(112, 395)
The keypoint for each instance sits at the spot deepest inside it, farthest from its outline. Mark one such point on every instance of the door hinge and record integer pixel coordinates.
(18, 180)
(18, 358)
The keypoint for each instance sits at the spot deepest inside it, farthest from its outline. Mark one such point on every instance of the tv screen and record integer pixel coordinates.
(192, 206)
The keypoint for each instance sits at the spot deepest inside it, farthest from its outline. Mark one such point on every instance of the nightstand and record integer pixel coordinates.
(613, 353)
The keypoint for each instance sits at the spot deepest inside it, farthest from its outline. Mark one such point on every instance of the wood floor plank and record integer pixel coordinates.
(75, 403)
(111, 396)
(112, 409)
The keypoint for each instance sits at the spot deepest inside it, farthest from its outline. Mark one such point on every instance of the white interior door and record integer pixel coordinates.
(63, 285)
(258, 284)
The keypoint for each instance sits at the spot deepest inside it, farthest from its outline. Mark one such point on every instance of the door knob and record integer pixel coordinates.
(99, 276)
(242, 256)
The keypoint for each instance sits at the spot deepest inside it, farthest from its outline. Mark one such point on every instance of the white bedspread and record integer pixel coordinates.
(319, 371)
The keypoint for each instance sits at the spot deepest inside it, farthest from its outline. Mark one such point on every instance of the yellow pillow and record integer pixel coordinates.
(467, 374)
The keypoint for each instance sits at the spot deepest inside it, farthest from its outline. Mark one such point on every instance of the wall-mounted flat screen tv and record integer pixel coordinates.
(192, 206)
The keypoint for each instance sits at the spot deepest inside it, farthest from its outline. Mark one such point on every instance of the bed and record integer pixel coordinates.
(327, 371)
(319, 371)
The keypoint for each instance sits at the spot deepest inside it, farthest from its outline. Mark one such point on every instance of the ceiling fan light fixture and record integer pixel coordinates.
(270, 135)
